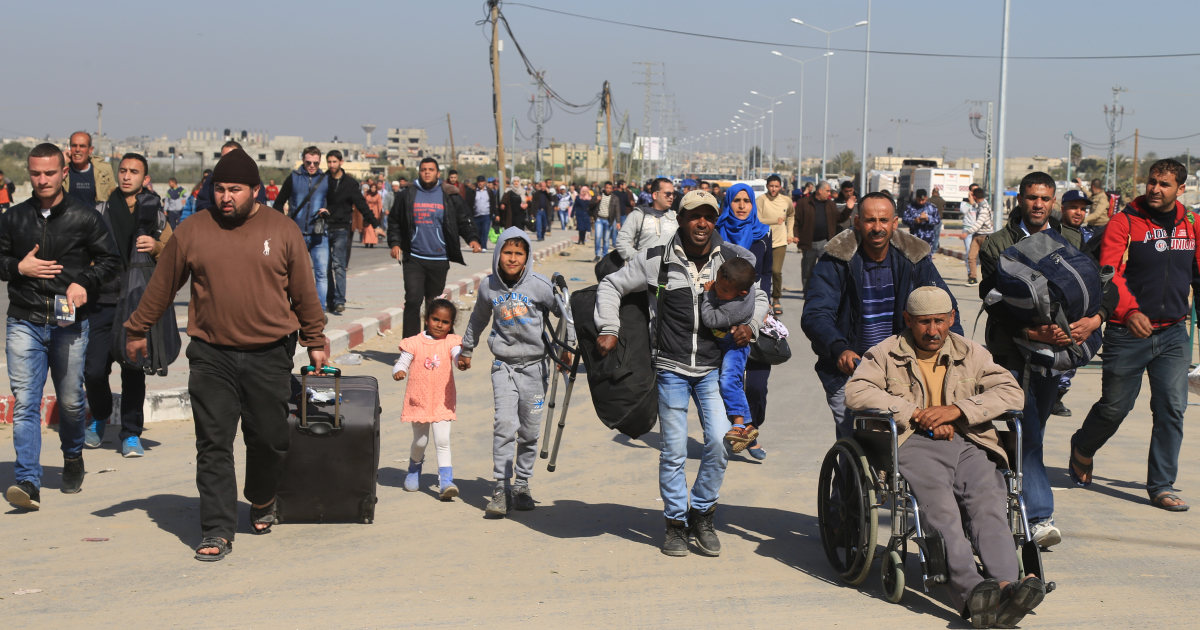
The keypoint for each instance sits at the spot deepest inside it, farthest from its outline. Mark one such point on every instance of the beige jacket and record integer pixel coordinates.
(770, 211)
(1098, 214)
(105, 182)
(889, 379)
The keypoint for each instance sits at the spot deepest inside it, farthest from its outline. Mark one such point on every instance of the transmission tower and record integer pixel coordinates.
(647, 112)
(984, 134)
(1115, 117)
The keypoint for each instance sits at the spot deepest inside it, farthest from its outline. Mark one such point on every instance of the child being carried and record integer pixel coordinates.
(727, 303)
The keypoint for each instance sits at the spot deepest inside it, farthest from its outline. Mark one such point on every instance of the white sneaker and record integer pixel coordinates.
(1045, 534)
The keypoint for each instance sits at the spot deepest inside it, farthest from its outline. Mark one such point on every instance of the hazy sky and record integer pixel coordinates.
(321, 69)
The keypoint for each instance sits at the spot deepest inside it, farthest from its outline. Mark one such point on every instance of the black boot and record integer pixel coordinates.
(700, 525)
(72, 475)
(1058, 409)
(676, 541)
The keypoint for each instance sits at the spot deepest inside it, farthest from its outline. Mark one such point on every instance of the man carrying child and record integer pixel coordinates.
(688, 359)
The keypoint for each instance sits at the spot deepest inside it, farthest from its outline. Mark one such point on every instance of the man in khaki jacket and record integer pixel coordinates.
(1098, 213)
(777, 211)
(90, 179)
(944, 391)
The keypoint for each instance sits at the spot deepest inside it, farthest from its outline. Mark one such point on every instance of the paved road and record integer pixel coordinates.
(588, 556)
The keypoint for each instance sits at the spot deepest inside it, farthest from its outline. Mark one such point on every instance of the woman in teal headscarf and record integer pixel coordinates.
(743, 381)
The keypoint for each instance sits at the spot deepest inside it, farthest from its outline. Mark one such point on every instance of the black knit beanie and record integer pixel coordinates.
(236, 167)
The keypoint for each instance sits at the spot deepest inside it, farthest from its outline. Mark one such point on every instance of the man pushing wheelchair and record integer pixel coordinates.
(943, 391)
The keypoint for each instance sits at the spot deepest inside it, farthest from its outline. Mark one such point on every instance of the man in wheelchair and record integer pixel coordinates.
(944, 391)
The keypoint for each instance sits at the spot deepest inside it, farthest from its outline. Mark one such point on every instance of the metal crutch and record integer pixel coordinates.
(572, 369)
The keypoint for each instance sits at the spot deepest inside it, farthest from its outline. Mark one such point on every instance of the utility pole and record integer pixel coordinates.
(99, 120)
(494, 5)
(898, 122)
(1114, 116)
(998, 188)
(1135, 161)
(608, 127)
(540, 116)
(453, 153)
(513, 171)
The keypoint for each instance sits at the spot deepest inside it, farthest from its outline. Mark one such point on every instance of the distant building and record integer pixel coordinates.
(406, 147)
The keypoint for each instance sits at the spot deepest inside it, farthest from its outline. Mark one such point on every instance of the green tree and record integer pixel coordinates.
(1076, 154)
(15, 150)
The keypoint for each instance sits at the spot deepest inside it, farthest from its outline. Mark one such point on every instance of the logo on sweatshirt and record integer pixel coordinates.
(267, 247)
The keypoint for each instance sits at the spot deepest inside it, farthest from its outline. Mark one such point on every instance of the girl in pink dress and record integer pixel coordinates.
(428, 360)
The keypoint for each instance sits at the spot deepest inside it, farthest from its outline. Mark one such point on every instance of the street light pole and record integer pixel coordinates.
(828, 43)
(862, 169)
(998, 187)
(771, 165)
(800, 135)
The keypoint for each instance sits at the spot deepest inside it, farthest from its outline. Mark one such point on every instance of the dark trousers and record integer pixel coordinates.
(97, 367)
(955, 482)
(423, 281)
(225, 384)
(756, 391)
(339, 259)
(808, 261)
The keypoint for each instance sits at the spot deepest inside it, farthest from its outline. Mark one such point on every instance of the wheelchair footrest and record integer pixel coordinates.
(936, 567)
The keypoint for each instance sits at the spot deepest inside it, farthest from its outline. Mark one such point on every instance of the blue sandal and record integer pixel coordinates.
(756, 451)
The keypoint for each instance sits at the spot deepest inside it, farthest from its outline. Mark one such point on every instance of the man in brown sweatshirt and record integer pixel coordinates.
(252, 288)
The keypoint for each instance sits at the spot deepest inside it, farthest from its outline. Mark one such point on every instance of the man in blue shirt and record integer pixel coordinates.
(424, 225)
(924, 219)
(857, 296)
(304, 192)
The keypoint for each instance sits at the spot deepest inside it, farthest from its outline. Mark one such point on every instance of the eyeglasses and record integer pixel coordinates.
(308, 163)
(667, 194)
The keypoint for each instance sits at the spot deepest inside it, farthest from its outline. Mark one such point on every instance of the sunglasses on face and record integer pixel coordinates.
(667, 194)
(307, 163)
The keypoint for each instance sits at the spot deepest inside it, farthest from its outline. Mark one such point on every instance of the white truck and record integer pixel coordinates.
(952, 185)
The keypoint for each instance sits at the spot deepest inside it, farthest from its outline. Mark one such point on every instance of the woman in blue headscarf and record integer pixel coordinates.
(744, 381)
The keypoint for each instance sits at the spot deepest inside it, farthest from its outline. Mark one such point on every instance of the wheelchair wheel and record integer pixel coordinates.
(846, 511)
(891, 573)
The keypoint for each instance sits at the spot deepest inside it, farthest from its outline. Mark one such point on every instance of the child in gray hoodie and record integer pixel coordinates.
(517, 301)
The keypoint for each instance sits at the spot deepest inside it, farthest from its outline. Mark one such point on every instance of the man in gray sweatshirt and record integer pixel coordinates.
(647, 227)
(517, 301)
(687, 361)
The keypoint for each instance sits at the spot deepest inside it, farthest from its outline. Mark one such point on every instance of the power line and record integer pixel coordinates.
(851, 50)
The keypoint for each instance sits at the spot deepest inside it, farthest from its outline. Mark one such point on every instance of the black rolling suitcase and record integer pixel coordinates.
(332, 466)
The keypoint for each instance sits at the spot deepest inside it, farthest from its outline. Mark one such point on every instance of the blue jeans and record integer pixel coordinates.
(339, 254)
(483, 225)
(605, 234)
(1039, 398)
(542, 222)
(673, 393)
(1164, 357)
(835, 397)
(562, 218)
(33, 349)
(733, 378)
(318, 249)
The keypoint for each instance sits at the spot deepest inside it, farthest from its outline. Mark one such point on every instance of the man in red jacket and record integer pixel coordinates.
(1147, 331)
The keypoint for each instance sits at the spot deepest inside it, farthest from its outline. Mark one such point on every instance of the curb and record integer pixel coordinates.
(953, 253)
(176, 404)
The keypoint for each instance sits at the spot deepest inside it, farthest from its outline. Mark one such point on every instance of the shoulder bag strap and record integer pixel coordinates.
(307, 198)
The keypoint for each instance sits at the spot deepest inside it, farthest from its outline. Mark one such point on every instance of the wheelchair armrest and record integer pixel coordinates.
(1012, 420)
(882, 415)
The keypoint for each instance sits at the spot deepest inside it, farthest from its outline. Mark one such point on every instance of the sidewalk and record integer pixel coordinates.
(375, 301)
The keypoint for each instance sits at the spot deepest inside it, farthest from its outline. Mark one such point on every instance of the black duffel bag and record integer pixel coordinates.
(770, 350)
(624, 385)
(162, 340)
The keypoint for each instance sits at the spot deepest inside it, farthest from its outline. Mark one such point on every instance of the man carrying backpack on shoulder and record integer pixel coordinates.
(1152, 245)
(1031, 216)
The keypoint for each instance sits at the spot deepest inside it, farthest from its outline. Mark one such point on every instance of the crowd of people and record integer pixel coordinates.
(267, 264)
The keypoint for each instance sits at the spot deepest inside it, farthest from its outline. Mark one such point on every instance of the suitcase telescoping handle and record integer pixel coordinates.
(337, 399)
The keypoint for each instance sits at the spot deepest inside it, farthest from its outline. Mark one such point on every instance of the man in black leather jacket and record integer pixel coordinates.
(51, 245)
